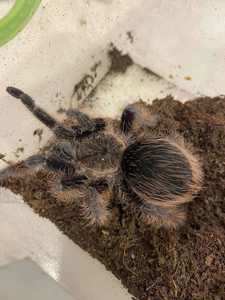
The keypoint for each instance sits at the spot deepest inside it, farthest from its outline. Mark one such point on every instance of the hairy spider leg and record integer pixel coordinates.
(69, 183)
(152, 214)
(127, 119)
(59, 129)
(162, 216)
(30, 165)
(59, 159)
(95, 206)
(137, 116)
(92, 197)
(89, 126)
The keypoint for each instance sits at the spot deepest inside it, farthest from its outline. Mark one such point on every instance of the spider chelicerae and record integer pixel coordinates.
(90, 162)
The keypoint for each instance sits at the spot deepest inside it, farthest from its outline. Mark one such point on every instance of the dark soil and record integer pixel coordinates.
(85, 85)
(186, 263)
(130, 36)
(119, 62)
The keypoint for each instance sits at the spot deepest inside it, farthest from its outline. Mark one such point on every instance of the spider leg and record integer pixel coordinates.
(81, 117)
(89, 126)
(127, 119)
(68, 189)
(30, 165)
(61, 158)
(170, 217)
(100, 184)
(137, 116)
(57, 165)
(162, 216)
(93, 197)
(73, 182)
(59, 129)
(95, 206)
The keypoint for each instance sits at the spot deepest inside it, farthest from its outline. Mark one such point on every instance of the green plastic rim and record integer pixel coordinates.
(17, 19)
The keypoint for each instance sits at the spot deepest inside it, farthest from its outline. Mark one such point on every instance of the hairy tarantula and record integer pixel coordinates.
(91, 162)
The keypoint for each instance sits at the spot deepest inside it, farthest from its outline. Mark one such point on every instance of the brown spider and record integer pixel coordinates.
(91, 162)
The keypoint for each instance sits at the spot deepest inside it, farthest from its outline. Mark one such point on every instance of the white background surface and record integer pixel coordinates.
(25, 280)
(24, 234)
(178, 39)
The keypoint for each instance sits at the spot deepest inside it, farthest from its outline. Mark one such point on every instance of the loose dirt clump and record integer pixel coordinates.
(119, 62)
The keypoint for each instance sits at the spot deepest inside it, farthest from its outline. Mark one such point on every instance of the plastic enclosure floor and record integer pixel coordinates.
(25, 234)
(24, 280)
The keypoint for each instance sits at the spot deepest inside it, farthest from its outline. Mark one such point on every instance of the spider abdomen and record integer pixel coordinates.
(159, 172)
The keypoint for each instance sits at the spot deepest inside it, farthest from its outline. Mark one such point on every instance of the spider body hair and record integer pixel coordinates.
(95, 206)
(161, 172)
(136, 118)
(68, 190)
(151, 214)
(30, 166)
(105, 148)
(170, 217)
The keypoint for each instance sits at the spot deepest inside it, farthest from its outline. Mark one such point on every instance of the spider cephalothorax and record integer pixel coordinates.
(90, 162)
(101, 153)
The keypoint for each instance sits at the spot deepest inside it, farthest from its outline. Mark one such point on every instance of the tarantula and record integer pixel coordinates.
(91, 162)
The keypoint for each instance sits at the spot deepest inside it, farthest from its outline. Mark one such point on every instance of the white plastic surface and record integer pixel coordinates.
(24, 234)
(182, 41)
(118, 90)
(24, 280)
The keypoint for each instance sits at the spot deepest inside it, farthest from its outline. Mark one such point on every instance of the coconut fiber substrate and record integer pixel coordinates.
(157, 263)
